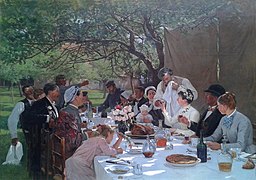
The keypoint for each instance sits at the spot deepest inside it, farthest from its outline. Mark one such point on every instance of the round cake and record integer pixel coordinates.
(181, 159)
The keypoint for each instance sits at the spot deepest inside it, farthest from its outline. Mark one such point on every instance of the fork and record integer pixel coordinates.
(127, 161)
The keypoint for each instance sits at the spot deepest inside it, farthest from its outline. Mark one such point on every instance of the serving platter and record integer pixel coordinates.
(185, 165)
(182, 160)
(129, 134)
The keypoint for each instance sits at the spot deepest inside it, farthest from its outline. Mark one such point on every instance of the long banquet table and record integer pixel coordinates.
(157, 167)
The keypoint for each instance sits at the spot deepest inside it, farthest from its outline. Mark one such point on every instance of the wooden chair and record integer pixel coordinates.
(45, 154)
(58, 155)
(28, 140)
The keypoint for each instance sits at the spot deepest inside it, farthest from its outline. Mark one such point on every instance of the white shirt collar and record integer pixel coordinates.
(53, 103)
(231, 113)
(73, 106)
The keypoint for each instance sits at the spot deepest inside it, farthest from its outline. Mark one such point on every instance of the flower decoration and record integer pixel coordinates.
(50, 110)
(123, 114)
(187, 93)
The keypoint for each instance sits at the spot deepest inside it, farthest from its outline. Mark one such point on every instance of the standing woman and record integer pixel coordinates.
(234, 125)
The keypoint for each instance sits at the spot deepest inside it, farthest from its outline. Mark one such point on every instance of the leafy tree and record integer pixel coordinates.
(88, 31)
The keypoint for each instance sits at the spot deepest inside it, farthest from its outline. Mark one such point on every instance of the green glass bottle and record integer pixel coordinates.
(202, 149)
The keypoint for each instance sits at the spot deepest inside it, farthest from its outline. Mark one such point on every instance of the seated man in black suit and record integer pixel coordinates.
(210, 119)
(139, 99)
(113, 97)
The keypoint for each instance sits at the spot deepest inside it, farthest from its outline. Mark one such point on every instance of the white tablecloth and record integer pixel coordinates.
(157, 167)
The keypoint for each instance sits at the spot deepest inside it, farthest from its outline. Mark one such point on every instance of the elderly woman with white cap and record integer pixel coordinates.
(125, 98)
(69, 121)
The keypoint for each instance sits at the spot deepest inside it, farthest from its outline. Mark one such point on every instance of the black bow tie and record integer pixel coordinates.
(211, 108)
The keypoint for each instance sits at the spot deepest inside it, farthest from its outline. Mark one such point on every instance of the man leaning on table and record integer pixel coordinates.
(113, 97)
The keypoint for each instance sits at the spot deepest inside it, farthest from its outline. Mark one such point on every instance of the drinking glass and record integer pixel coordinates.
(225, 162)
(235, 153)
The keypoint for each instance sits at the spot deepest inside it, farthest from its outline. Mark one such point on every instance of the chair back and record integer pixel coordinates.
(45, 156)
(58, 155)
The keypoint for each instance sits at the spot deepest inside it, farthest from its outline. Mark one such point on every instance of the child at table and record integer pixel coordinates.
(80, 165)
(144, 116)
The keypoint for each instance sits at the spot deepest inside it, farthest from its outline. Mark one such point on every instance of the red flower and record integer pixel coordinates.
(118, 107)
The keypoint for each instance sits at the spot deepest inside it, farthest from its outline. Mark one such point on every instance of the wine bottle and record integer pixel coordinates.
(202, 149)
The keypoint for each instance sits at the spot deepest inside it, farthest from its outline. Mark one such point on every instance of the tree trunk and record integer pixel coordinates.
(20, 89)
(12, 96)
(104, 89)
(132, 86)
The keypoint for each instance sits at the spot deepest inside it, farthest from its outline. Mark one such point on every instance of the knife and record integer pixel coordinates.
(115, 162)
(252, 156)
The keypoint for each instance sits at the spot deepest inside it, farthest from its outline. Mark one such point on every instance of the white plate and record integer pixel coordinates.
(134, 151)
(184, 165)
(244, 156)
(119, 169)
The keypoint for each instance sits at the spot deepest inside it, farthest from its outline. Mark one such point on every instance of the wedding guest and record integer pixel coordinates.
(154, 111)
(113, 97)
(83, 108)
(185, 98)
(80, 165)
(234, 125)
(125, 98)
(69, 123)
(17, 114)
(210, 119)
(61, 82)
(168, 90)
(150, 92)
(144, 116)
(39, 94)
(42, 114)
(139, 99)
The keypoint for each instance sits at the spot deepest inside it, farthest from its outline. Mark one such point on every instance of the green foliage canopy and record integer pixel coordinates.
(85, 31)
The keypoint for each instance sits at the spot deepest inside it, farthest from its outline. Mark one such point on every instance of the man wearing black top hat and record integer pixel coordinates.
(113, 97)
(210, 119)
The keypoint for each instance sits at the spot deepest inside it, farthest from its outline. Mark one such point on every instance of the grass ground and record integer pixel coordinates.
(11, 172)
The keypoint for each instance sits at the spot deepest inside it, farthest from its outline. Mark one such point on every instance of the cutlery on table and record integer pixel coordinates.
(115, 162)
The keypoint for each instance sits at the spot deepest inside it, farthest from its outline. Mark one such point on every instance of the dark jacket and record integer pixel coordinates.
(27, 107)
(36, 118)
(142, 101)
(208, 125)
(112, 100)
(37, 115)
